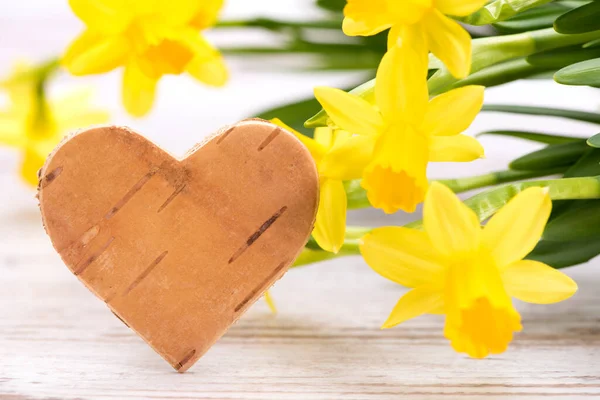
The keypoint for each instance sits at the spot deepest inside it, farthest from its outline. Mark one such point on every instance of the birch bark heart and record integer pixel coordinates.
(179, 249)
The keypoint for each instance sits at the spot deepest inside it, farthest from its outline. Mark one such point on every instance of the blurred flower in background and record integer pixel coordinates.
(33, 124)
(149, 39)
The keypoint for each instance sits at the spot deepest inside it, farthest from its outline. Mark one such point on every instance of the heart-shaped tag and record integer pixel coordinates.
(179, 249)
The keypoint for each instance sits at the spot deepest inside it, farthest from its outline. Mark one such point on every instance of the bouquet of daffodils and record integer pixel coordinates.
(429, 62)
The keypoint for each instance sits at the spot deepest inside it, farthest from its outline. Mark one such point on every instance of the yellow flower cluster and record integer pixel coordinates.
(455, 266)
(149, 39)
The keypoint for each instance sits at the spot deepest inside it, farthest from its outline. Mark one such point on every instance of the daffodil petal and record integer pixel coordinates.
(538, 283)
(352, 27)
(211, 72)
(11, 133)
(453, 228)
(405, 256)
(94, 54)
(316, 150)
(181, 12)
(330, 225)
(458, 148)
(393, 36)
(324, 136)
(451, 113)
(138, 90)
(347, 159)
(416, 302)
(32, 163)
(207, 14)
(414, 36)
(207, 65)
(365, 17)
(349, 112)
(459, 8)
(401, 85)
(106, 16)
(450, 42)
(516, 229)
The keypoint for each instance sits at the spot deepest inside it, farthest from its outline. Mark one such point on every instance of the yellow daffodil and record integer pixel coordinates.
(150, 39)
(409, 130)
(34, 125)
(420, 23)
(467, 272)
(339, 156)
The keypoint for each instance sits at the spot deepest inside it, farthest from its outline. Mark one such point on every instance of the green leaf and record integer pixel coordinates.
(565, 254)
(578, 223)
(587, 165)
(594, 141)
(332, 5)
(556, 155)
(534, 136)
(500, 10)
(293, 114)
(580, 20)
(536, 18)
(563, 57)
(499, 74)
(582, 73)
(591, 44)
(545, 111)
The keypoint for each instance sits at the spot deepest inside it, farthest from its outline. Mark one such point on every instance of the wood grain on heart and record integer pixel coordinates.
(179, 249)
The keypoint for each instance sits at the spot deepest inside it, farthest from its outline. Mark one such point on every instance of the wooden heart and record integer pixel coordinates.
(179, 249)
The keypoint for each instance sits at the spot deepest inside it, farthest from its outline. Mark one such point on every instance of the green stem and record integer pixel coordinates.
(357, 197)
(460, 185)
(278, 25)
(488, 203)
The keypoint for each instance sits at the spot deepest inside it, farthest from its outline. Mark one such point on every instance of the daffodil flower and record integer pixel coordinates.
(34, 125)
(409, 130)
(339, 156)
(150, 39)
(467, 272)
(420, 23)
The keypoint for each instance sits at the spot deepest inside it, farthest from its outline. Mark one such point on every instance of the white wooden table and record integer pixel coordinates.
(57, 341)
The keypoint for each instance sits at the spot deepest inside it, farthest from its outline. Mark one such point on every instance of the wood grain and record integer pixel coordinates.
(57, 341)
(178, 249)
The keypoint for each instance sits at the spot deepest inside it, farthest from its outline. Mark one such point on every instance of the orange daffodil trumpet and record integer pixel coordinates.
(150, 39)
(408, 130)
(467, 272)
(420, 23)
(339, 157)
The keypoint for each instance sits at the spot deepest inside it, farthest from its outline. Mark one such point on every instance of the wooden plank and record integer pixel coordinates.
(58, 341)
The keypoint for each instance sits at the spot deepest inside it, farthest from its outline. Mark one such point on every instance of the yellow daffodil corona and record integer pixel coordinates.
(150, 39)
(467, 272)
(339, 156)
(420, 23)
(34, 125)
(409, 130)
